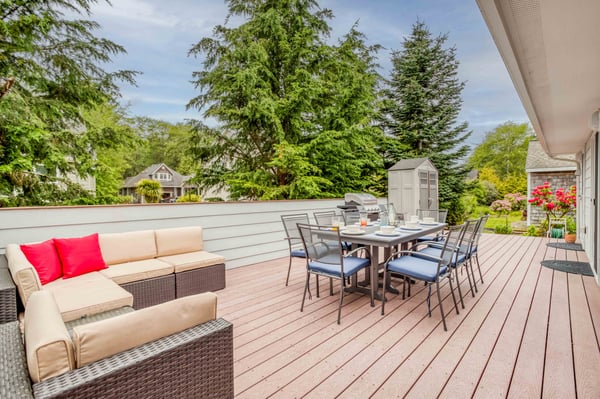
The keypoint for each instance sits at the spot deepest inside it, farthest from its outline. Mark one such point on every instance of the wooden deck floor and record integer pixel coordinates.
(529, 332)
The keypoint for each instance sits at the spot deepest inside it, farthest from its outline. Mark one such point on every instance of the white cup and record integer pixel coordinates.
(387, 229)
(353, 228)
(411, 224)
(428, 220)
(414, 218)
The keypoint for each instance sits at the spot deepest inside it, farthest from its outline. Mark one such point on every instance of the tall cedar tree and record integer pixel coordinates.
(421, 105)
(50, 70)
(294, 113)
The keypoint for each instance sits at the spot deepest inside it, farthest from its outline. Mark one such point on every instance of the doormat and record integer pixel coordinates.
(565, 245)
(569, 266)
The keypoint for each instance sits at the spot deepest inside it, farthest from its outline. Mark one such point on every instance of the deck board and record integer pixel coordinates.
(504, 343)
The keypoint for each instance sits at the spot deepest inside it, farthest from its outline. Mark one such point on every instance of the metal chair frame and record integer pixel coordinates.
(331, 254)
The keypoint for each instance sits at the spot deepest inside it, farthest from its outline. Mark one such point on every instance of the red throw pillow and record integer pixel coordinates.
(79, 255)
(44, 259)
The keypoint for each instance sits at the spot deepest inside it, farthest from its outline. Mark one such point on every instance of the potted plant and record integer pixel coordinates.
(571, 235)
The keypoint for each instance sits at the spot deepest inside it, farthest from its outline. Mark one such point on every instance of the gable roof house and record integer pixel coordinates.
(551, 50)
(540, 168)
(173, 184)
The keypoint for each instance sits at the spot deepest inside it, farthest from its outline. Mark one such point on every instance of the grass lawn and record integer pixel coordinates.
(495, 220)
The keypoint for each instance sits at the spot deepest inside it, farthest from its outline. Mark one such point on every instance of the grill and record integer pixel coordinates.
(361, 202)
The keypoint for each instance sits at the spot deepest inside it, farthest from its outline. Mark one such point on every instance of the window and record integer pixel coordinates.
(163, 176)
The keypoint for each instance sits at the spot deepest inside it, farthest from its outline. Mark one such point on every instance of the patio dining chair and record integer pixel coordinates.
(428, 268)
(326, 257)
(290, 224)
(474, 250)
(459, 245)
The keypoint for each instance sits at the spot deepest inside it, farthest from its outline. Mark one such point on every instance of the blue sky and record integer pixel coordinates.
(157, 35)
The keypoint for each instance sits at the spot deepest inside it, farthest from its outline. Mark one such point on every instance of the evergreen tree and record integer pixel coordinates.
(50, 70)
(420, 108)
(294, 112)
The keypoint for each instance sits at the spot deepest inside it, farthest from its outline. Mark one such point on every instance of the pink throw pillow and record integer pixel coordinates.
(79, 255)
(44, 258)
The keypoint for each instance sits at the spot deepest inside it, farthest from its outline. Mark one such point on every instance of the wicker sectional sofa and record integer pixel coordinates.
(180, 350)
(143, 326)
(145, 268)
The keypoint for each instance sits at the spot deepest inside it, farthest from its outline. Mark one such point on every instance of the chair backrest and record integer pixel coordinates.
(470, 235)
(290, 224)
(480, 227)
(322, 244)
(453, 237)
(351, 217)
(324, 218)
(439, 215)
(456, 242)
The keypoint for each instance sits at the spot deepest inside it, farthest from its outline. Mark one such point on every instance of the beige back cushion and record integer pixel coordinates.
(178, 240)
(22, 272)
(95, 341)
(127, 247)
(47, 343)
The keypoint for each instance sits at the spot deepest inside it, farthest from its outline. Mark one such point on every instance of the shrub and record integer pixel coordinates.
(189, 197)
(503, 229)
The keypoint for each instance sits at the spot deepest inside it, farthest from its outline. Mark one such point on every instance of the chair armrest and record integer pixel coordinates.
(355, 250)
(197, 362)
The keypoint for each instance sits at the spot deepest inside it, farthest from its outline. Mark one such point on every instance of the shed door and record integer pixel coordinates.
(428, 189)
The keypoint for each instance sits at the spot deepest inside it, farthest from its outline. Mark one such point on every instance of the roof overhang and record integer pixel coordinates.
(551, 49)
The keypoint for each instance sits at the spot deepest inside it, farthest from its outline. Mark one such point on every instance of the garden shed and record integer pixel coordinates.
(540, 168)
(412, 185)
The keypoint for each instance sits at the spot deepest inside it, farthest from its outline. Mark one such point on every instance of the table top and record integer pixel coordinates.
(371, 235)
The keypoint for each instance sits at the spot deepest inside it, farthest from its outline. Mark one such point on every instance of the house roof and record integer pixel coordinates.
(539, 161)
(551, 53)
(412, 163)
(178, 180)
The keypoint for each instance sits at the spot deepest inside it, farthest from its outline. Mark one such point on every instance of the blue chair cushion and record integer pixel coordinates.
(431, 238)
(437, 252)
(298, 253)
(352, 265)
(415, 267)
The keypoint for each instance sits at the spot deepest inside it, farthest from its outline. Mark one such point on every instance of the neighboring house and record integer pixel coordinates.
(173, 184)
(552, 52)
(540, 168)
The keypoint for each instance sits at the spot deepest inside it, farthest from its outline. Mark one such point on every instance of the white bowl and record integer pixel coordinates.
(411, 225)
(387, 229)
(428, 220)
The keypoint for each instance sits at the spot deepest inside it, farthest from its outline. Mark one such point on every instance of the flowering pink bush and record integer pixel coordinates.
(517, 201)
(556, 204)
(501, 206)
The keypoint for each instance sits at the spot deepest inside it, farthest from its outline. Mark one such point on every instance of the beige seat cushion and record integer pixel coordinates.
(138, 270)
(47, 343)
(178, 240)
(127, 247)
(23, 273)
(192, 260)
(87, 294)
(95, 341)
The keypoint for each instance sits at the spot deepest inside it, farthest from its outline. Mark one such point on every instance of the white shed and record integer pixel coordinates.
(412, 185)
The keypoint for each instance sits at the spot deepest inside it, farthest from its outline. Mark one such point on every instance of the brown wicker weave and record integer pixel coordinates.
(151, 291)
(14, 377)
(210, 278)
(8, 297)
(195, 363)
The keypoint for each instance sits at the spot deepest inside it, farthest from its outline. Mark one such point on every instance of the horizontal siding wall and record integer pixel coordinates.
(243, 232)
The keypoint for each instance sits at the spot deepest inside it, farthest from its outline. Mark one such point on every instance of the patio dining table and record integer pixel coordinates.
(371, 237)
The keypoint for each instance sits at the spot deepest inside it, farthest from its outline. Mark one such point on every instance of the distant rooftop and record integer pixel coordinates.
(539, 161)
(413, 163)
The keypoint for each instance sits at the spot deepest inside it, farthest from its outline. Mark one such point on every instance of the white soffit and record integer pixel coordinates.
(551, 49)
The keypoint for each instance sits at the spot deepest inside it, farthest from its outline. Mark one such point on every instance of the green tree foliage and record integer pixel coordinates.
(150, 190)
(419, 113)
(162, 142)
(115, 143)
(294, 112)
(50, 70)
(504, 150)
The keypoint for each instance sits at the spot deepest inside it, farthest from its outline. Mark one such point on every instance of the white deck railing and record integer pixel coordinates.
(243, 232)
